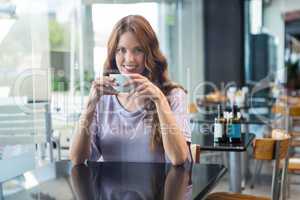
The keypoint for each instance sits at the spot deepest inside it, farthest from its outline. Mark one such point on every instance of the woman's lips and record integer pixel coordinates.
(129, 68)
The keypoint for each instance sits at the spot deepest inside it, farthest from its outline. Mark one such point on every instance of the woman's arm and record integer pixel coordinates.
(81, 144)
(174, 141)
(176, 183)
(82, 182)
(80, 148)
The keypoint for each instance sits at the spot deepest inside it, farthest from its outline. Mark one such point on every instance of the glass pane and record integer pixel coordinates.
(24, 79)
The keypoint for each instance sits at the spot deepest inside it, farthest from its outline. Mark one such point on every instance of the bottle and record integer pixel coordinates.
(218, 127)
(223, 121)
(234, 126)
(243, 121)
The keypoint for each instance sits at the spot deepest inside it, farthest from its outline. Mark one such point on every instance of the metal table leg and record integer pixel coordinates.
(245, 168)
(235, 174)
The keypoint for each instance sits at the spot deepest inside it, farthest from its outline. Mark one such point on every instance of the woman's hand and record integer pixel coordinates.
(80, 148)
(173, 139)
(144, 87)
(102, 86)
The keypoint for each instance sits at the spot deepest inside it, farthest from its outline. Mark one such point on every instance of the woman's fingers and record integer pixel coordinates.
(106, 89)
(105, 81)
(104, 85)
(131, 82)
(141, 87)
(135, 79)
(136, 82)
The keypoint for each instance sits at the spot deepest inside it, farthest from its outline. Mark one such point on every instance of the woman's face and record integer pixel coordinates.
(130, 57)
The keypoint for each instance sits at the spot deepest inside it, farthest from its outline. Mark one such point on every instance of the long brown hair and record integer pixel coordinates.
(155, 62)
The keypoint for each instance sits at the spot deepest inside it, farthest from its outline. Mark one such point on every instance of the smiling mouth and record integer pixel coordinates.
(129, 67)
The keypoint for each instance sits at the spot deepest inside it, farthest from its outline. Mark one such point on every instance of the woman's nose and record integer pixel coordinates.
(129, 56)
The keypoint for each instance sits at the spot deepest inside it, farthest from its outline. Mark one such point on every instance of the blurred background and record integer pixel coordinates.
(51, 50)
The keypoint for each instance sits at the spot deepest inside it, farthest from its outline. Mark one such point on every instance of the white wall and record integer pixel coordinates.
(192, 70)
(181, 40)
(188, 47)
(274, 22)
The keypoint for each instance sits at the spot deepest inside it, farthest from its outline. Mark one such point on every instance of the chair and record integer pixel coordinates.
(29, 124)
(264, 149)
(294, 154)
(233, 196)
(290, 108)
(260, 156)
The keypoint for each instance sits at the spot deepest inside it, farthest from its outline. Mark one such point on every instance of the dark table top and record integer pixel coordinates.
(206, 142)
(259, 119)
(264, 102)
(121, 180)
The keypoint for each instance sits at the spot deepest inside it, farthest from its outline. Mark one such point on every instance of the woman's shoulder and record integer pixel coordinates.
(176, 90)
(177, 98)
(177, 95)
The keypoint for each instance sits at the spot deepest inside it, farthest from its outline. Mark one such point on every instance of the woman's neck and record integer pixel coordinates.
(130, 102)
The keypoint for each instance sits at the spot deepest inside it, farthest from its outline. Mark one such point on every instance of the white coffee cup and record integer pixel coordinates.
(120, 80)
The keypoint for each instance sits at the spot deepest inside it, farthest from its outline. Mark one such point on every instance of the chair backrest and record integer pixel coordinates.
(284, 109)
(267, 149)
(26, 124)
(275, 149)
(264, 149)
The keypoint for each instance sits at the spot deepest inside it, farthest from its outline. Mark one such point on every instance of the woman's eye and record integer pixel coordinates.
(138, 50)
(121, 50)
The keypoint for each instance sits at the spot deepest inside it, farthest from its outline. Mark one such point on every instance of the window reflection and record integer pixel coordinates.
(51, 50)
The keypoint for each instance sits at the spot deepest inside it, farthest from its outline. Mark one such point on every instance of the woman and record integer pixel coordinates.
(150, 123)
